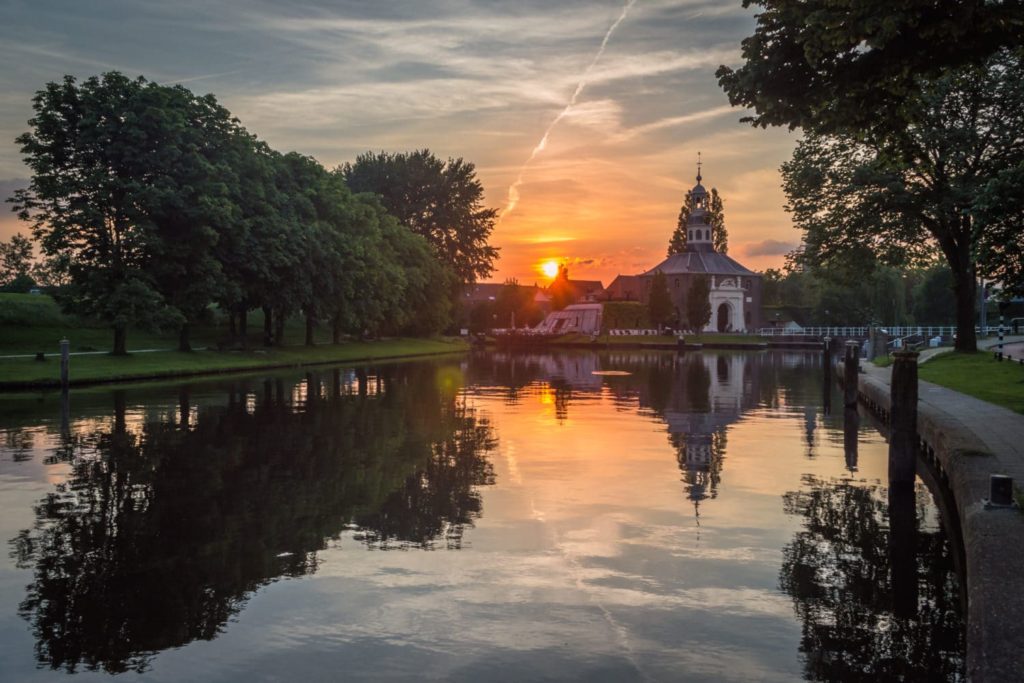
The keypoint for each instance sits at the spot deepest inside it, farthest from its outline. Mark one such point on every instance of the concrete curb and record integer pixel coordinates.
(993, 538)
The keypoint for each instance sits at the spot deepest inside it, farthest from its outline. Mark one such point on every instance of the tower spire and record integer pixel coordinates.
(698, 167)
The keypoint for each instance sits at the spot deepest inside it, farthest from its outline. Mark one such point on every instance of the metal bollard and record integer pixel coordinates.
(1000, 491)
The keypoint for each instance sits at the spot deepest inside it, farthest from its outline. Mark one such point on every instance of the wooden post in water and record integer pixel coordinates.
(852, 361)
(826, 362)
(65, 361)
(903, 418)
(851, 425)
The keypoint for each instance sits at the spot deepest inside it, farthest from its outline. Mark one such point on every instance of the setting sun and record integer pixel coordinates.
(550, 268)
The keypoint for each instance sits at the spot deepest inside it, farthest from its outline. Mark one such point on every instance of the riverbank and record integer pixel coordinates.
(969, 439)
(27, 373)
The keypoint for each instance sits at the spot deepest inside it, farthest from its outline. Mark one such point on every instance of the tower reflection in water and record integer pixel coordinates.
(873, 585)
(176, 511)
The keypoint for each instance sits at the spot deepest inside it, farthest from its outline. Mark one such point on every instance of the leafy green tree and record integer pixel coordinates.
(424, 304)
(1000, 213)
(15, 258)
(698, 303)
(677, 242)
(514, 299)
(440, 200)
(771, 287)
(901, 199)
(187, 166)
(933, 297)
(715, 218)
(853, 67)
(83, 200)
(660, 310)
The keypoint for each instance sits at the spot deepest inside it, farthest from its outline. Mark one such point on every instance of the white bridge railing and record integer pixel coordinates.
(925, 331)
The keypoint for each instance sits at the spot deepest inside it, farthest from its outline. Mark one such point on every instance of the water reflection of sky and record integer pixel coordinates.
(634, 529)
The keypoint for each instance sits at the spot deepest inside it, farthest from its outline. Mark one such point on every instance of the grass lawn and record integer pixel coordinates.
(174, 363)
(978, 375)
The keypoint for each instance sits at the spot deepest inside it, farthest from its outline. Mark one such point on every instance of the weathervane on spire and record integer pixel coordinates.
(698, 167)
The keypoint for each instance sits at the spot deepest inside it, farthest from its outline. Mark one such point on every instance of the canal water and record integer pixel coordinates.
(602, 516)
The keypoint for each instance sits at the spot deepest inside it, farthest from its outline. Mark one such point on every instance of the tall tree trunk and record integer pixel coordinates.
(120, 340)
(966, 290)
(309, 329)
(183, 343)
(243, 327)
(231, 325)
(336, 329)
(268, 326)
(279, 327)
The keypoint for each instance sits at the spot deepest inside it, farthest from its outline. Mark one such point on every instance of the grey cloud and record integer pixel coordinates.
(768, 248)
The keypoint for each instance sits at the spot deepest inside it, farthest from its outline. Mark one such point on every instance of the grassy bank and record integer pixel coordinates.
(978, 375)
(105, 368)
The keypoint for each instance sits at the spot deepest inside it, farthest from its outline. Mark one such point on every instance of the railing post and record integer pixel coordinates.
(903, 420)
(852, 367)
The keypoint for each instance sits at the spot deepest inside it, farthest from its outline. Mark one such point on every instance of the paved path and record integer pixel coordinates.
(973, 439)
(1011, 342)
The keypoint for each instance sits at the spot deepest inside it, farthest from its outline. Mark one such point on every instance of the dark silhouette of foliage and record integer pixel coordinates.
(660, 310)
(440, 200)
(856, 66)
(698, 303)
(161, 533)
(873, 605)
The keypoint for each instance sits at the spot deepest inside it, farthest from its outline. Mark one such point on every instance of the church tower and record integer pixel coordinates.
(698, 227)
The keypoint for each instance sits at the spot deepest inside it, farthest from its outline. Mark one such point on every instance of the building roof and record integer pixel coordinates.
(625, 287)
(709, 262)
(586, 286)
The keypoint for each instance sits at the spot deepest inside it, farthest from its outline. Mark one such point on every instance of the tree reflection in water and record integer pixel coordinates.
(162, 532)
(846, 572)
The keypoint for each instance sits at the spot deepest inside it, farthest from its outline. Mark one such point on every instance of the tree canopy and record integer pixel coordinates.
(849, 66)
(660, 310)
(698, 303)
(155, 203)
(934, 187)
(15, 258)
(440, 200)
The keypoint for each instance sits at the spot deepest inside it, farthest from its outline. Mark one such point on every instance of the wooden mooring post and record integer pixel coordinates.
(852, 368)
(903, 418)
(826, 363)
(65, 362)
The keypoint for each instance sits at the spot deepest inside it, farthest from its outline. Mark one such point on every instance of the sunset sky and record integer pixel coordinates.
(587, 152)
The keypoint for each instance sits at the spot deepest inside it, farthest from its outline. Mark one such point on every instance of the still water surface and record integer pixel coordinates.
(619, 516)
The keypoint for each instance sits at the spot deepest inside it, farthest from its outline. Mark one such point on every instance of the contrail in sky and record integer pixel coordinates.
(513, 189)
